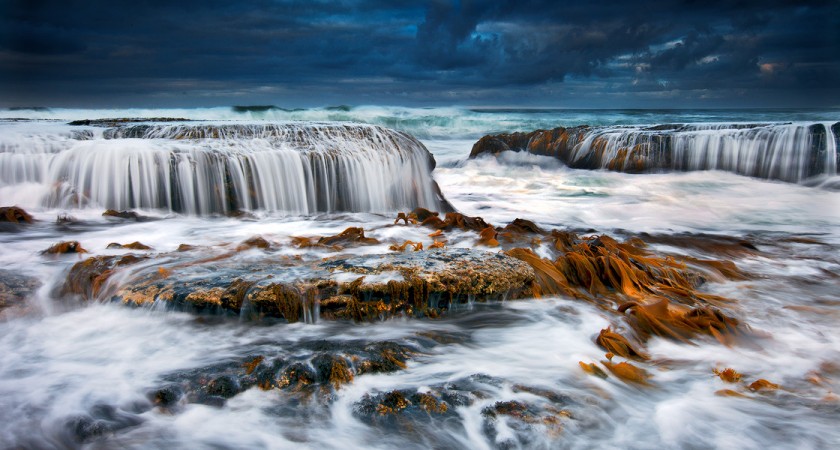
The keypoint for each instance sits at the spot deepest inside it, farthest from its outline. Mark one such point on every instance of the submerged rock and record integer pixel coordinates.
(15, 288)
(317, 367)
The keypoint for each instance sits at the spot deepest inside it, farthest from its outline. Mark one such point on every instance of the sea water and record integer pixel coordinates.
(62, 361)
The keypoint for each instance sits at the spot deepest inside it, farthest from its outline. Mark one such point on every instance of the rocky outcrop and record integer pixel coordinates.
(359, 288)
(787, 152)
(124, 120)
(13, 214)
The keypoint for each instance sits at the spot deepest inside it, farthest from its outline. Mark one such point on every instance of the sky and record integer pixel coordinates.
(525, 53)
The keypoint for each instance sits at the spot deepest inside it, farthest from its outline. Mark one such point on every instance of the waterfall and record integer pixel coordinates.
(294, 168)
(792, 152)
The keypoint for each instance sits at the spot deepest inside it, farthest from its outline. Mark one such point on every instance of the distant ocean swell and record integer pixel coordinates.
(443, 122)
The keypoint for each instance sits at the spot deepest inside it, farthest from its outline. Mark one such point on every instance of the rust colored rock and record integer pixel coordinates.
(406, 218)
(254, 242)
(523, 226)
(14, 214)
(763, 385)
(87, 277)
(348, 237)
(65, 247)
(129, 215)
(132, 246)
(358, 288)
(494, 144)
(422, 214)
(487, 237)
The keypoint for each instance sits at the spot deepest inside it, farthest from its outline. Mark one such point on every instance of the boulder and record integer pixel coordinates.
(13, 214)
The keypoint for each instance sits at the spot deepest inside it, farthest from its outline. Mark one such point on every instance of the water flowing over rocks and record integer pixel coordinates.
(359, 287)
(204, 169)
(260, 327)
(787, 152)
(15, 288)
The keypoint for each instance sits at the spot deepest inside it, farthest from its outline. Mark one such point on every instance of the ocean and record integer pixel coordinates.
(746, 200)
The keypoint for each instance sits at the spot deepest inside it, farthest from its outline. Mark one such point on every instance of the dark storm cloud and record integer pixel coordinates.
(550, 53)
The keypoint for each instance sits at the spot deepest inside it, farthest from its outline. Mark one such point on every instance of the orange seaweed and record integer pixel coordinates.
(728, 375)
(618, 345)
(628, 372)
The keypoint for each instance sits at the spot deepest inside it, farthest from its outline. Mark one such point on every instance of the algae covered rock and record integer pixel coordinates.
(359, 288)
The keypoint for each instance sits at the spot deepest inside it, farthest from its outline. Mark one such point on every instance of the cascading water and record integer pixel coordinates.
(530, 373)
(218, 168)
(789, 152)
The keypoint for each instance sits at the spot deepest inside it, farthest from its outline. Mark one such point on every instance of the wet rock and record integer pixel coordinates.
(123, 120)
(86, 278)
(311, 368)
(15, 288)
(494, 144)
(348, 237)
(64, 247)
(224, 386)
(455, 220)
(241, 214)
(297, 376)
(387, 407)
(436, 406)
(126, 215)
(167, 396)
(522, 226)
(132, 246)
(556, 142)
(425, 283)
(421, 214)
(666, 147)
(384, 357)
(101, 420)
(331, 369)
(761, 385)
(254, 242)
(13, 214)
(358, 288)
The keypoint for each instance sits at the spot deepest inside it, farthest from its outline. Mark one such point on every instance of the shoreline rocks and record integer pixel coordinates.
(360, 288)
(786, 152)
